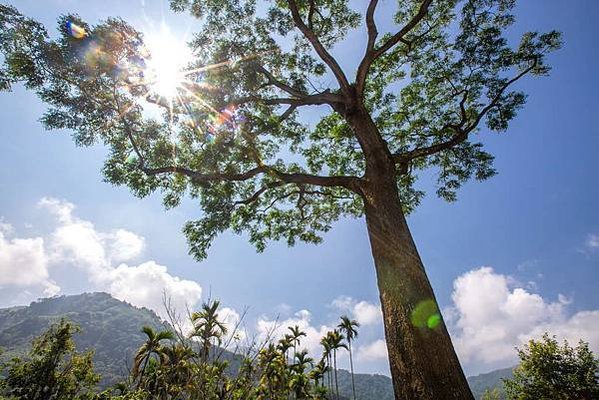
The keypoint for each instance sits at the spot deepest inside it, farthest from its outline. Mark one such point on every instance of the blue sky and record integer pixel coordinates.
(536, 224)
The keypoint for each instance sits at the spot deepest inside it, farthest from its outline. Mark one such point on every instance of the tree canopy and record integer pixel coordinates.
(549, 370)
(235, 139)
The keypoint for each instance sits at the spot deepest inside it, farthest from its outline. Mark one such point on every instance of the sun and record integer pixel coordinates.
(168, 57)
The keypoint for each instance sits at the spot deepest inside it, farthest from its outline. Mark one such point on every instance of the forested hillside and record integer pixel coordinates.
(490, 380)
(110, 327)
(113, 329)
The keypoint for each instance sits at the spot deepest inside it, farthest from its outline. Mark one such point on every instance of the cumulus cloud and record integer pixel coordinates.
(374, 351)
(100, 255)
(78, 241)
(24, 263)
(362, 311)
(491, 315)
(367, 314)
(275, 329)
(146, 284)
(124, 245)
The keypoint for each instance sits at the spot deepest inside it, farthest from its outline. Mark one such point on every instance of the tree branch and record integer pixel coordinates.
(348, 182)
(373, 53)
(462, 133)
(323, 98)
(287, 113)
(259, 193)
(371, 25)
(281, 85)
(320, 49)
(206, 178)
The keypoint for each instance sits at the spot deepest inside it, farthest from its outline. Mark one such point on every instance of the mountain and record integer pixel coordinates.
(490, 380)
(111, 328)
(108, 326)
(378, 387)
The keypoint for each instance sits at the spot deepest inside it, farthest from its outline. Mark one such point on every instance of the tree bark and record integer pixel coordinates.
(423, 362)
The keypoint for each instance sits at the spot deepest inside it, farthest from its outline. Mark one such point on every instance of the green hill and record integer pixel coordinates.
(490, 380)
(112, 328)
(109, 326)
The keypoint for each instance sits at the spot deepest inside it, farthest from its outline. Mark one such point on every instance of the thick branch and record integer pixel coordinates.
(348, 182)
(206, 178)
(371, 25)
(305, 100)
(371, 53)
(320, 49)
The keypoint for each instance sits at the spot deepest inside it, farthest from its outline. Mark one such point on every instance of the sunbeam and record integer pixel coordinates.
(168, 57)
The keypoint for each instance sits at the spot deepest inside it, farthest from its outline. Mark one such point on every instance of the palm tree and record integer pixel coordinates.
(207, 326)
(302, 361)
(300, 382)
(176, 361)
(349, 329)
(335, 341)
(318, 372)
(150, 347)
(326, 359)
(296, 335)
(285, 343)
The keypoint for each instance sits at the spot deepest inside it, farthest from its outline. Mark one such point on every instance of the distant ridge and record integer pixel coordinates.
(112, 328)
(490, 380)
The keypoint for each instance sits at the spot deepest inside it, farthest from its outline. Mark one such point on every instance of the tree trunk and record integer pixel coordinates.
(351, 367)
(423, 362)
(336, 377)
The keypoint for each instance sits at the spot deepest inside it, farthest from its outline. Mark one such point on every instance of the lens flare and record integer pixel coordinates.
(168, 57)
(426, 315)
(75, 30)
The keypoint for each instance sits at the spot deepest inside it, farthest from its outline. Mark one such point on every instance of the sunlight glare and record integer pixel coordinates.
(168, 57)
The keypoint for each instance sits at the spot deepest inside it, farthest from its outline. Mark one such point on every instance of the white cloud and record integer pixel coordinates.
(75, 242)
(592, 242)
(374, 351)
(275, 329)
(24, 263)
(79, 242)
(62, 209)
(235, 331)
(146, 284)
(5, 227)
(367, 313)
(124, 245)
(362, 311)
(490, 316)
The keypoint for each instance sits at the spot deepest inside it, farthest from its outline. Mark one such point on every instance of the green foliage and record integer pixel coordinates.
(419, 97)
(52, 370)
(112, 329)
(550, 371)
(169, 365)
(108, 326)
(492, 394)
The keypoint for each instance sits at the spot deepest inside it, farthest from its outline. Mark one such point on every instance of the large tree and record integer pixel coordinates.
(235, 139)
